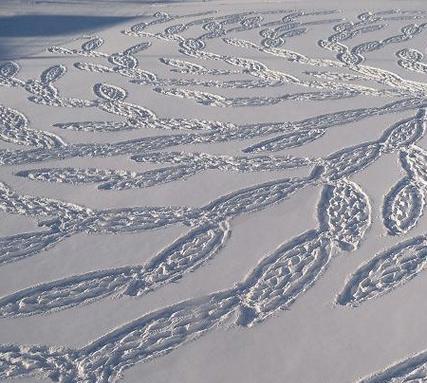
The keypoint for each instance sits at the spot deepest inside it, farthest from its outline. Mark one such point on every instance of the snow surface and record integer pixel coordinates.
(213, 191)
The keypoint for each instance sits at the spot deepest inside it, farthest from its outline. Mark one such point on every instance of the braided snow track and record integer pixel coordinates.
(174, 117)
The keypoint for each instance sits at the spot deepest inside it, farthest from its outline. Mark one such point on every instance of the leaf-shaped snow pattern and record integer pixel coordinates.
(411, 29)
(16, 247)
(9, 69)
(414, 161)
(122, 60)
(183, 66)
(212, 26)
(251, 66)
(192, 44)
(334, 76)
(287, 27)
(109, 92)
(60, 51)
(251, 22)
(395, 39)
(135, 113)
(412, 65)
(255, 197)
(186, 254)
(52, 74)
(350, 160)
(349, 58)
(404, 133)
(149, 178)
(92, 44)
(14, 128)
(385, 272)
(285, 141)
(129, 220)
(410, 54)
(150, 336)
(176, 29)
(380, 75)
(139, 27)
(344, 211)
(367, 46)
(293, 32)
(372, 28)
(275, 42)
(21, 361)
(168, 157)
(66, 293)
(403, 206)
(239, 43)
(410, 370)
(71, 175)
(43, 93)
(138, 76)
(31, 137)
(222, 162)
(136, 48)
(203, 98)
(332, 46)
(93, 67)
(256, 163)
(154, 334)
(280, 278)
(14, 203)
(95, 126)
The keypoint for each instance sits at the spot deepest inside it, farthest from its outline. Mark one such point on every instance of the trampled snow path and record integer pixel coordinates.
(200, 75)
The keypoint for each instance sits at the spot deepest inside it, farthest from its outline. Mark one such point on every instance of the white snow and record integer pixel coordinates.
(253, 172)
